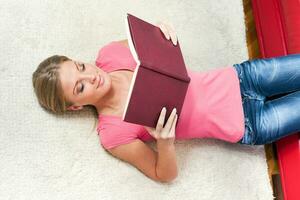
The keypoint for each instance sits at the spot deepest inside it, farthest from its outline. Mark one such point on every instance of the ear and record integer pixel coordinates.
(73, 107)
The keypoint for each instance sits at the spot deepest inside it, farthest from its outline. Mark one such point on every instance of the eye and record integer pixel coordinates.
(83, 66)
(82, 88)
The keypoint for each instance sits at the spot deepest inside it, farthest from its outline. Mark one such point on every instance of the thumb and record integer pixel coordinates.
(151, 131)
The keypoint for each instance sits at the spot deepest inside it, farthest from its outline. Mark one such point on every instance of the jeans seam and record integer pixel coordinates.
(253, 134)
(239, 72)
(262, 92)
(278, 122)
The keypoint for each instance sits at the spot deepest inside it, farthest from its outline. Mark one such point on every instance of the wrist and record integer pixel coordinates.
(163, 144)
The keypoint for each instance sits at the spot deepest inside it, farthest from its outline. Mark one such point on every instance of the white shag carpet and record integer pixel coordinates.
(48, 157)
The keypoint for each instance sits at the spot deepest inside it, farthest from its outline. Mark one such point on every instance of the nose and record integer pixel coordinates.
(90, 77)
(93, 78)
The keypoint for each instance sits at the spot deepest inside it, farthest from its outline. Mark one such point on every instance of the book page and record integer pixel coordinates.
(134, 54)
(130, 42)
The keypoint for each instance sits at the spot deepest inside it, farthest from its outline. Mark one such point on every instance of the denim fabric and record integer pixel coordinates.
(269, 117)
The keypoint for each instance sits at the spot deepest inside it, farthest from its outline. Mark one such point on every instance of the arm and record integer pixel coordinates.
(160, 166)
(166, 162)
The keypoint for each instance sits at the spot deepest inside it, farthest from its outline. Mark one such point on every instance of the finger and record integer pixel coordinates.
(154, 134)
(161, 120)
(166, 133)
(171, 32)
(173, 37)
(172, 132)
(164, 29)
(170, 121)
(151, 131)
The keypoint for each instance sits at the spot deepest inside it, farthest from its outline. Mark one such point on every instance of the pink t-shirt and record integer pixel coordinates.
(212, 107)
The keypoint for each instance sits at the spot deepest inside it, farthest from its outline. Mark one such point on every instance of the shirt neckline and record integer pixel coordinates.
(109, 116)
(123, 67)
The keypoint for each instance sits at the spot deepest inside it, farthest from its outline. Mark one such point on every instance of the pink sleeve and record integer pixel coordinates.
(112, 135)
(113, 56)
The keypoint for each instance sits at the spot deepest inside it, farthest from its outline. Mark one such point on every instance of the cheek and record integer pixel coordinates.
(91, 92)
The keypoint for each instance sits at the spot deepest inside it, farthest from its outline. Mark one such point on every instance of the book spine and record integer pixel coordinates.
(160, 70)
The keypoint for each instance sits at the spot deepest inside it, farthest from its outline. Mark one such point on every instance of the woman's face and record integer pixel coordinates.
(81, 83)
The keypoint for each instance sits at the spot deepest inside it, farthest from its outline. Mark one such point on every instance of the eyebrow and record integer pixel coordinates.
(76, 81)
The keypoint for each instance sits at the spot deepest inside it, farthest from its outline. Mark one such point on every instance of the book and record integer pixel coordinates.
(160, 78)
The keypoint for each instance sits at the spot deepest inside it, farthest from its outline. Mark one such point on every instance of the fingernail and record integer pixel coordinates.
(164, 109)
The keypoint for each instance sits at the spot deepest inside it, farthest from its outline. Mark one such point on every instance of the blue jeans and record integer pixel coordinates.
(270, 90)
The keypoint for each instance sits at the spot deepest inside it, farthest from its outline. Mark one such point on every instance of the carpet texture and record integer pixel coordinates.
(44, 156)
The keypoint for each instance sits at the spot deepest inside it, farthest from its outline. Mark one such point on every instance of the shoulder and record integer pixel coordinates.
(113, 131)
(115, 43)
(113, 48)
(114, 55)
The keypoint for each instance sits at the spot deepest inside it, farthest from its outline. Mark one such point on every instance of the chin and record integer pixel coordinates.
(107, 83)
(107, 80)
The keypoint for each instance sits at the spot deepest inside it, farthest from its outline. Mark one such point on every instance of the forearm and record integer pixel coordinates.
(166, 164)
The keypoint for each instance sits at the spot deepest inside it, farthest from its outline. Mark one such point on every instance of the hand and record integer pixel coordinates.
(167, 133)
(168, 31)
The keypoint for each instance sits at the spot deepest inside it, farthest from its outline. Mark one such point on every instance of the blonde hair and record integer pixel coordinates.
(47, 85)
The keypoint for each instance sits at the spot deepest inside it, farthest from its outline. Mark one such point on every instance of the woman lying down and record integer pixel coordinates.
(230, 103)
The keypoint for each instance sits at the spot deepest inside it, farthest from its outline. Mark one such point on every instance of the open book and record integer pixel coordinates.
(160, 78)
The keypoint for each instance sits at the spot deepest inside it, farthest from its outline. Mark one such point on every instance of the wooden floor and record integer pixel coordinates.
(254, 52)
(252, 42)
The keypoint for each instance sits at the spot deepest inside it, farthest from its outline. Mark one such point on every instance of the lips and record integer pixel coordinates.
(100, 81)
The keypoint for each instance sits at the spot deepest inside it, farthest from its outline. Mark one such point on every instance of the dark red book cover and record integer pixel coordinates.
(160, 78)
